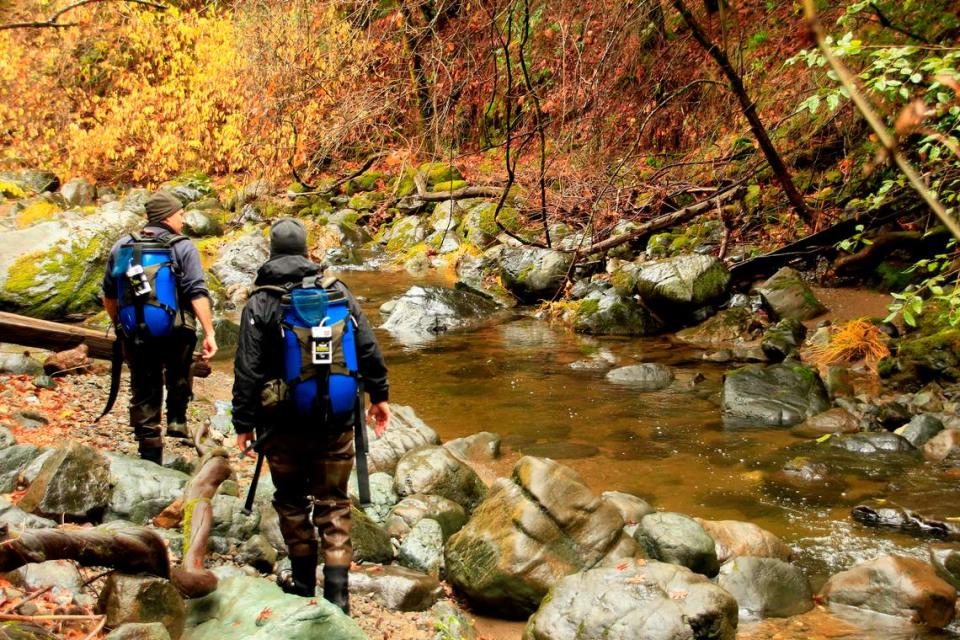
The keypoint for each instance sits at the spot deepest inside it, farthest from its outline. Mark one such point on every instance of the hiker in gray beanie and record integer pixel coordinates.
(288, 238)
(155, 292)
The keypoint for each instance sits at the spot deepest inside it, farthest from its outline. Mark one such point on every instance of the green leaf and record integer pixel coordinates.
(909, 319)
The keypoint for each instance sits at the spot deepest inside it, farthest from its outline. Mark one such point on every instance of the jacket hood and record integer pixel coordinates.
(283, 269)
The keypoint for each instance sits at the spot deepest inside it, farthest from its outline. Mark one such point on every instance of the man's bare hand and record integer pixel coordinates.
(244, 440)
(209, 347)
(379, 415)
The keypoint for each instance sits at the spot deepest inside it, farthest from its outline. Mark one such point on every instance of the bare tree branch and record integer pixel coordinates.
(54, 20)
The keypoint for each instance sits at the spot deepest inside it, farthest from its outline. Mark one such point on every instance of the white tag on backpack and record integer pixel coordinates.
(138, 280)
(322, 344)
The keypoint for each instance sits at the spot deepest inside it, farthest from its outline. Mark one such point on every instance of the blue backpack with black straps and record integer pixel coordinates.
(147, 279)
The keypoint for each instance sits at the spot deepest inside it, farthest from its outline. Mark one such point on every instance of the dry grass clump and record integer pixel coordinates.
(850, 342)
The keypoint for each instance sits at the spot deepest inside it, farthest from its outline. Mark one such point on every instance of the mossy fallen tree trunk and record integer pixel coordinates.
(54, 336)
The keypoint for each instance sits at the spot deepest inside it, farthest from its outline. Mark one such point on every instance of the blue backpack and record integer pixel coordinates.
(319, 348)
(147, 285)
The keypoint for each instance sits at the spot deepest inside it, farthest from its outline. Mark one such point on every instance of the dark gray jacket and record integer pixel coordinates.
(260, 348)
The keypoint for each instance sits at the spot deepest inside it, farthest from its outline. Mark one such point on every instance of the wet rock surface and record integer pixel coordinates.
(434, 470)
(779, 395)
(766, 587)
(678, 539)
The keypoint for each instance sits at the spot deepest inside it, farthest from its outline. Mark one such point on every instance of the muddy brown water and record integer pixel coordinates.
(671, 447)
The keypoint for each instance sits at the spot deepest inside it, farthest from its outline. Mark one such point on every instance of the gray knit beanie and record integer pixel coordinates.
(288, 238)
(161, 206)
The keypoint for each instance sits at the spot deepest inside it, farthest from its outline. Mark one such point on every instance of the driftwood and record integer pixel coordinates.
(332, 187)
(668, 220)
(130, 550)
(55, 336)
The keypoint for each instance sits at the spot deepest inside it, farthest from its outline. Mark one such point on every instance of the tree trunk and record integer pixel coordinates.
(750, 111)
(54, 336)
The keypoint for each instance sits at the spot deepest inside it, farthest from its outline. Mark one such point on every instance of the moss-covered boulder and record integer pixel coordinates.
(531, 273)
(531, 530)
(53, 269)
(31, 180)
(921, 359)
(403, 233)
(479, 224)
(687, 280)
(371, 542)
(434, 470)
(74, 482)
(728, 327)
(369, 180)
(439, 172)
(788, 296)
(449, 185)
(609, 313)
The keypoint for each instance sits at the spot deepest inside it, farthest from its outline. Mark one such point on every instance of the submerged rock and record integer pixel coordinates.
(652, 601)
(428, 311)
(766, 587)
(897, 586)
(778, 395)
(649, 376)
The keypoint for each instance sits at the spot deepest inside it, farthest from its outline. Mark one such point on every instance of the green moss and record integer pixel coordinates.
(659, 244)
(509, 218)
(525, 272)
(624, 281)
(679, 243)
(450, 185)
(437, 172)
(320, 208)
(39, 211)
(365, 201)
(366, 181)
(296, 187)
(588, 308)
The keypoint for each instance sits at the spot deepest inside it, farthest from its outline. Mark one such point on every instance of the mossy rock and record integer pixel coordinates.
(612, 314)
(37, 211)
(919, 360)
(450, 185)
(659, 245)
(365, 201)
(479, 227)
(439, 172)
(366, 181)
(11, 190)
(403, 234)
(297, 187)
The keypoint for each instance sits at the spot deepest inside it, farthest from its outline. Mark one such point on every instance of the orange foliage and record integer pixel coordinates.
(852, 341)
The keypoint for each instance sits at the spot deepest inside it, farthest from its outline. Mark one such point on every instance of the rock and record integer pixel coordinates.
(652, 601)
(14, 630)
(727, 328)
(382, 495)
(920, 429)
(735, 539)
(531, 273)
(649, 376)
(408, 512)
(247, 608)
(199, 224)
(74, 360)
(61, 574)
(258, 553)
(766, 587)
(778, 395)
(787, 296)
(7, 440)
(451, 623)
(371, 543)
(943, 446)
(945, 558)
(869, 443)
(428, 311)
(16, 519)
(531, 530)
(783, 339)
(686, 280)
(609, 313)
(142, 599)
(632, 509)
(678, 539)
(925, 515)
(13, 460)
(229, 520)
(396, 588)
(33, 180)
(19, 364)
(406, 432)
(73, 482)
(78, 192)
(55, 268)
(897, 586)
(919, 360)
(434, 470)
(30, 419)
(141, 489)
(237, 261)
(140, 631)
(422, 549)
(836, 420)
(479, 447)
(558, 450)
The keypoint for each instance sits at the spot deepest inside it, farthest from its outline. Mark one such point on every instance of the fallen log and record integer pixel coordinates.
(54, 336)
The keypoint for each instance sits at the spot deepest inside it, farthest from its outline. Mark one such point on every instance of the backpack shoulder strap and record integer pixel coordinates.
(174, 239)
(329, 281)
(135, 236)
(272, 288)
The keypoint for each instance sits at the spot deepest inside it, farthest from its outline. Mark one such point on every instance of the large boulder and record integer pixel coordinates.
(55, 268)
(141, 489)
(434, 470)
(237, 261)
(735, 539)
(609, 313)
(422, 549)
(687, 280)
(728, 328)
(678, 539)
(31, 180)
(396, 588)
(407, 432)
(371, 542)
(482, 446)
(412, 509)
(198, 224)
(531, 530)
(74, 482)
(897, 586)
(78, 192)
(787, 296)
(531, 273)
(142, 599)
(13, 460)
(766, 587)
(920, 429)
(779, 395)
(652, 601)
(245, 608)
(423, 312)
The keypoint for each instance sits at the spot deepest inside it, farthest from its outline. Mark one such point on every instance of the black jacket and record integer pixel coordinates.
(260, 347)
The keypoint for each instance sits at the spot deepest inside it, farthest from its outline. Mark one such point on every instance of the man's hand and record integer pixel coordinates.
(379, 415)
(209, 347)
(244, 440)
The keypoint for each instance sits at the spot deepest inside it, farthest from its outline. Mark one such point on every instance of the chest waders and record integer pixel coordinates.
(321, 379)
(147, 294)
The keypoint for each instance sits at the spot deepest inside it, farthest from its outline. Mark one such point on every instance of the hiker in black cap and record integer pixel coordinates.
(162, 360)
(310, 459)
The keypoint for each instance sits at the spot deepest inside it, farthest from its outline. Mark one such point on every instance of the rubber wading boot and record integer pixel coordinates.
(153, 454)
(177, 430)
(335, 587)
(302, 580)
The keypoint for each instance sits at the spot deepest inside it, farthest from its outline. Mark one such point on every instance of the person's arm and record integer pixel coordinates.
(112, 308)
(201, 308)
(248, 374)
(373, 368)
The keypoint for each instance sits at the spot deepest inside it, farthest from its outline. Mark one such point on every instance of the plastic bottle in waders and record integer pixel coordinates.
(147, 295)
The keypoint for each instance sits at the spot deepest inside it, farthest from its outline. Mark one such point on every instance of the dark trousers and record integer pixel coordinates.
(310, 473)
(155, 363)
